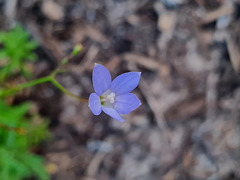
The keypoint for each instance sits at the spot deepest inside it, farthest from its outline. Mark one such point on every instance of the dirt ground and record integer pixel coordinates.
(188, 51)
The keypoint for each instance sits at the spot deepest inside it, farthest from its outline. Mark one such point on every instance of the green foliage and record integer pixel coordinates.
(16, 162)
(15, 52)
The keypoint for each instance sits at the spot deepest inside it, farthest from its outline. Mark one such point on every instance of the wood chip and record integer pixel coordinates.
(113, 63)
(226, 9)
(88, 31)
(10, 9)
(170, 175)
(234, 53)
(148, 63)
(167, 21)
(186, 108)
(94, 164)
(52, 10)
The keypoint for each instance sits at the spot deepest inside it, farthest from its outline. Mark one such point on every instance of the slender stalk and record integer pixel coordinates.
(50, 78)
(60, 87)
(20, 87)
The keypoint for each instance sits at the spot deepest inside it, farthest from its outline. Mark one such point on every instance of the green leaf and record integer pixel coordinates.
(17, 48)
(35, 164)
(10, 167)
(16, 162)
(3, 54)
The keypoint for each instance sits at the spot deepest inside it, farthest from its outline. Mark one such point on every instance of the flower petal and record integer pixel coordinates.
(113, 113)
(95, 104)
(101, 79)
(126, 103)
(125, 83)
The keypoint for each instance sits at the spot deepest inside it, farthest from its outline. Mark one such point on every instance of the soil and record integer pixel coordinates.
(188, 52)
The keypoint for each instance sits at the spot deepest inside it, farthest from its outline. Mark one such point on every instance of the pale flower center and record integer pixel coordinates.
(108, 98)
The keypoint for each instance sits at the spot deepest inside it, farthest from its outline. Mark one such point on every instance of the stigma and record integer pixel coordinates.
(108, 99)
(111, 98)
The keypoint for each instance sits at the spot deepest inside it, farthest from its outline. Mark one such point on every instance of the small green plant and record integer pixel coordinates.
(16, 162)
(16, 50)
(19, 129)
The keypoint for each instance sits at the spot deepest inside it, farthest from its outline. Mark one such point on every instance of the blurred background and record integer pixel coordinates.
(188, 51)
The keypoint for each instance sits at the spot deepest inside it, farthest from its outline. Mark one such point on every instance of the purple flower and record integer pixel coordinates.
(113, 97)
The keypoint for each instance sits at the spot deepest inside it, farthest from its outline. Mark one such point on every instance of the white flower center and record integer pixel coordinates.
(108, 98)
(111, 97)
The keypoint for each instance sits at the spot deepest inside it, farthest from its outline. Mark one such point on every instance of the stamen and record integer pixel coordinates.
(108, 100)
(111, 97)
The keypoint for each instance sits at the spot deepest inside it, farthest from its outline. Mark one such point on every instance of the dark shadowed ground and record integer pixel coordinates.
(188, 51)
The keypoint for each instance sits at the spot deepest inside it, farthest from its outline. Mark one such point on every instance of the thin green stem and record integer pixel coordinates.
(20, 87)
(60, 87)
(50, 78)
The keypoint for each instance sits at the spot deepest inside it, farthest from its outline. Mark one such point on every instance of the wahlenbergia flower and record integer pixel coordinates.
(113, 97)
